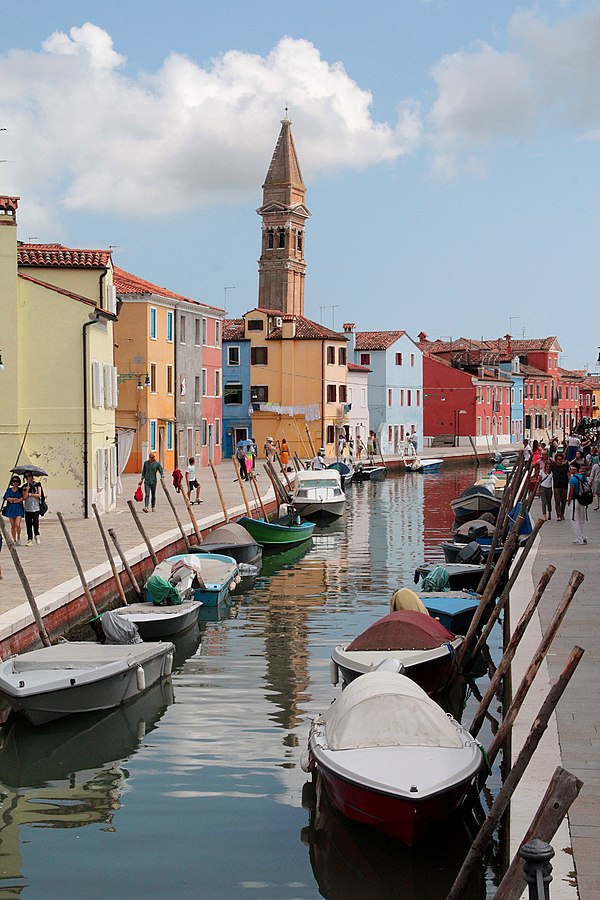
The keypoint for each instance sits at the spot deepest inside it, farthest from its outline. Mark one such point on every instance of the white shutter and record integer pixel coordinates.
(113, 465)
(115, 387)
(107, 379)
(111, 299)
(97, 385)
(100, 468)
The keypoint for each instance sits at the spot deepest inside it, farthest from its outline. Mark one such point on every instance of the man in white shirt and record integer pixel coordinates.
(192, 481)
(318, 462)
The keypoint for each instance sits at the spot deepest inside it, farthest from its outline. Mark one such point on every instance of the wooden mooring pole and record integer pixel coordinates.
(84, 584)
(219, 491)
(186, 540)
(142, 531)
(26, 586)
(513, 778)
(109, 555)
(126, 566)
(254, 484)
(243, 490)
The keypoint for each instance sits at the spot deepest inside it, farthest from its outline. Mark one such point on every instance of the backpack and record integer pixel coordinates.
(584, 492)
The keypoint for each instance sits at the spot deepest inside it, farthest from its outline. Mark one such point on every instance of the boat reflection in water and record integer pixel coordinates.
(355, 862)
(69, 773)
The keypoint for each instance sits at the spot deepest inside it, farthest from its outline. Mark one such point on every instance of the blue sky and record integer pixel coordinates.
(450, 151)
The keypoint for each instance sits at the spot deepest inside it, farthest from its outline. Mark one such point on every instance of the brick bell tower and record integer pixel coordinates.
(281, 265)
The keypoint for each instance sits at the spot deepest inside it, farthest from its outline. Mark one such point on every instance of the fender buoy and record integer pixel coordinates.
(168, 664)
(141, 678)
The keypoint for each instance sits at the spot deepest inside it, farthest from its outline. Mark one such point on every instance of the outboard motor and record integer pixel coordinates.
(390, 665)
(470, 553)
(118, 630)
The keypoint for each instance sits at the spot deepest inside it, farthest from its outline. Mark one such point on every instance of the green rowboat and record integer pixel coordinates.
(279, 534)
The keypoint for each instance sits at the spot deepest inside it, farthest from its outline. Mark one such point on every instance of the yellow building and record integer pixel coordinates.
(298, 381)
(58, 387)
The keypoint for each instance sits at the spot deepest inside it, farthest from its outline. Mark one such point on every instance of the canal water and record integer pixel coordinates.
(196, 790)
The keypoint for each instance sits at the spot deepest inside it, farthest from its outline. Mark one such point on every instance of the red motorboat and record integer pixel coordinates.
(425, 648)
(391, 757)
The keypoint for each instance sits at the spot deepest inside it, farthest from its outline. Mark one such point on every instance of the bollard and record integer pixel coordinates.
(537, 869)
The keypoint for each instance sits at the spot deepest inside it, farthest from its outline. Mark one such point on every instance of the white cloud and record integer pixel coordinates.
(547, 79)
(91, 137)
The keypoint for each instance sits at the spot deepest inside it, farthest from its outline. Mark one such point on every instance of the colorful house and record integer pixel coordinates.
(359, 423)
(168, 353)
(58, 386)
(237, 420)
(395, 384)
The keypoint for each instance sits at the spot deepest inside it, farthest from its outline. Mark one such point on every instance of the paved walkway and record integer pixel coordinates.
(578, 716)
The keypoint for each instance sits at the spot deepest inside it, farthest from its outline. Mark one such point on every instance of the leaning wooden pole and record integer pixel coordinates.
(109, 555)
(186, 540)
(193, 518)
(274, 485)
(82, 578)
(562, 790)
(126, 565)
(284, 473)
(310, 440)
(510, 650)
(26, 586)
(505, 595)
(243, 490)
(513, 778)
(142, 531)
(533, 668)
(260, 500)
(276, 482)
(503, 512)
(219, 491)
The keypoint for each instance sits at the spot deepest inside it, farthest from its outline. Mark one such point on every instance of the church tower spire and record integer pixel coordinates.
(281, 264)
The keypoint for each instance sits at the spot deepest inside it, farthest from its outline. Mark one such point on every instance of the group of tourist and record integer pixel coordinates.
(23, 500)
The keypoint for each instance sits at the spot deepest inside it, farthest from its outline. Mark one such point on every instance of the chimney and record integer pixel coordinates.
(348, 326)
(422, 336)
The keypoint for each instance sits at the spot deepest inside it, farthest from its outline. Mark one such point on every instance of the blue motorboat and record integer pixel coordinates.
(454, 609)
(215, 575)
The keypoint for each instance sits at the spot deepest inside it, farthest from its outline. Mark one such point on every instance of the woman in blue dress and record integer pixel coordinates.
(13, 509)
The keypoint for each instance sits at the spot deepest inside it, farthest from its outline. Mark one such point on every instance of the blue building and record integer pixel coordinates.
(513, 369)
(395, 385)
(237, 425)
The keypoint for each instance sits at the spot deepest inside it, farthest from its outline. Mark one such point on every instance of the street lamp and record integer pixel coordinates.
(132, 376)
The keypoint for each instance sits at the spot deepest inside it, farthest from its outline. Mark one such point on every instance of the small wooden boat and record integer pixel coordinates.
(319, 495)
(473, 501)
(473, 552)
(369, 473)
(232, 539)
(422, 464)
(286, 531)
(390, 757)
(215, 575)
(80, 676)
(454, 609)
(157, 622)
(461, 576)
(425, 648)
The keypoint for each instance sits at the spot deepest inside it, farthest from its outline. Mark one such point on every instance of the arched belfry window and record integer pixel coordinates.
(269, 240)
(282, 240)
(299, 242)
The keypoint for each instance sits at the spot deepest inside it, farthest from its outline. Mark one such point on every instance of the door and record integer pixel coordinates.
(161, 445)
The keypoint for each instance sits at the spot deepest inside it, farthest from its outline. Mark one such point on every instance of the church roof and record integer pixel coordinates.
(58, 257)
(285, 168)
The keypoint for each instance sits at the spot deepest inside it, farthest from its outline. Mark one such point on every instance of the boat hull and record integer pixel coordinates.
(320, 511)
(83, 694)
(406, 821)
(158, 622)
(370, 473)
(271, 535)
(425, 466)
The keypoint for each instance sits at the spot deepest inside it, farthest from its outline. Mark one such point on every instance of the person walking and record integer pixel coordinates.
(318, 462)
(13, 508)
(240, 455)
(270, 449)
(32, 495)
(149, 478)
(578, 511)
(546, 483)
(560, 484)
(574, 444)
(595, 483)
(284, 454)
(371, 447)
(191, 481)
(359, 447)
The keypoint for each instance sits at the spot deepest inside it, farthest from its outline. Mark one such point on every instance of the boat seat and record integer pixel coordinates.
(407, 599)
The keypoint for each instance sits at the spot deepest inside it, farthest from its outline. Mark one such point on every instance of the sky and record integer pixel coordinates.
(450, 149)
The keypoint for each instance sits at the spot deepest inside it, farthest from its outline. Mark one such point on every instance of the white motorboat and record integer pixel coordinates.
(319, 495)
(423, 463)
(80, 676)
(391, 757)
(170, 607)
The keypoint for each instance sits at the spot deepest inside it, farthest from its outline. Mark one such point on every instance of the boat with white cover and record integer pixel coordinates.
(391, 757)
(81, 676)
(319, 495)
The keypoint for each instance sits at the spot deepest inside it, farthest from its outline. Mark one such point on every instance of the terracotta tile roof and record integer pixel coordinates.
(532, 372)
(571, 373)
(64, 293)
(233, 330)
(9, 203)
(56, 256)
(353, 367)
(306, 329)
(376, 340)
(126, 283)
(497, 345)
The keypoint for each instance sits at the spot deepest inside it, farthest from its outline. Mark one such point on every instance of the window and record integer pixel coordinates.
(217, 382)
(282, 240)
(197, 391)
(233, 355)
(349, 395)
(418, 400)
(330, 434)
(169, 435)
(169, 379)
(479, 425)
(389, 397)
(204, 331)
(153, 434)
(537, 390)
(331, 393)
(182, 388)
(299, 242)
(401, 396)
(170, 326)
(259, 356)
(390, 434)
(545, 392)
(204, 433)
(342, 356)
(507, 424)
(342, 393)
(182, 329)
(409, 398)
(232, 393)
(488, 395)
(259, 393)
(398, 359)
(412, 359)
(217, 431)
(153, 323)
(256, 325)
(363, 397)
(204, 383)
(521, 396)
(487, 425)
(197, 332)
(153, 378)
(269, 240)
(330, 356)
(365, 359)
(217, 334)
